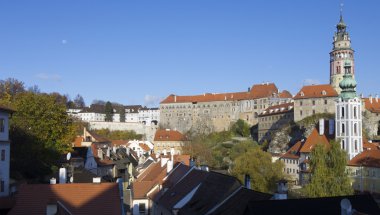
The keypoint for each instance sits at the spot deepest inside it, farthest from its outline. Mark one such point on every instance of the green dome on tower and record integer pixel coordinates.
(348, 84)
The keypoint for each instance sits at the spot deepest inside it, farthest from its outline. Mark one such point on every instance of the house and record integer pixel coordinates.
(165, 140)
(313, 99)
(274, 118)
(5, 112)
(83, 198)
(364, 170)
(372, 114)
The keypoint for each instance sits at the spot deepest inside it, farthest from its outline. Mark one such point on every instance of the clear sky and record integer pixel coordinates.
(140, 51)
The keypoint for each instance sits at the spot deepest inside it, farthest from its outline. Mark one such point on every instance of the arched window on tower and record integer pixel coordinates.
(356, 145)
(343, 145)
(355, 112)
(343, 129)
(356, 129)
(342, 112)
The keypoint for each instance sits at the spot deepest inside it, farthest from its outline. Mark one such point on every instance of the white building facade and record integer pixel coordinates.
(4, 151)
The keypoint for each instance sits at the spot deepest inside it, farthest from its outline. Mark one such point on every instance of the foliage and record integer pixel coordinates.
(79, 102)
(40, 131)
(109, 112)
(241, 128)
(9, 88)
(119, 135)
(258, 164)
(328, 168)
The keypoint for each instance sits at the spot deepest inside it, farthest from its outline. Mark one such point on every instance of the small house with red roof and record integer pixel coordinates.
(166, 139)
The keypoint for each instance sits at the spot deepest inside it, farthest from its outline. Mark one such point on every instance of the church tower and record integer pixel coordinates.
(348, 115)
(341, 53)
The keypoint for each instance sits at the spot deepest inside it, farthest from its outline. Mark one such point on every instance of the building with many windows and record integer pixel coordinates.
(4, 150)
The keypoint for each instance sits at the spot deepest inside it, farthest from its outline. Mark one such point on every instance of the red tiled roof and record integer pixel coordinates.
(83, 198)
(368, 158)
(169, 135)
(316, 91)
(285, 94)
(78, 141)
(282, 108)
(370, 146)
(185, 159)
(314, 139)
(293, 152)
(257, 91)
(153, 175)
(98, 138)
(373, 107)
(144, 147)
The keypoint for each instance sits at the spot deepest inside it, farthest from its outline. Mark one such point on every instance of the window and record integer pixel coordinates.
(300, 103)
(343, 129)
(313, 102)
(342, 113)
(343, 145)
(313, 112)
(3, 155)
(2, 186)
(356, 145)
(355, 112)
(355, 128)
(300, 112)
(2, 124)
(142, 208)
(325, 101)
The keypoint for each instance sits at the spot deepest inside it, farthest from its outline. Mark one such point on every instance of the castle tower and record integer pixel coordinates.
(348, 115)
(341, 52)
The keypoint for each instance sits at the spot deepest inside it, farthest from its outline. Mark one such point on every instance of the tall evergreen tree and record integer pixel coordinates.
(109, 112)
(79, 101)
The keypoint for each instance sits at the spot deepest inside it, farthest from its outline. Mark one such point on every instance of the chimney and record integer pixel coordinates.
(175, 98)
(53, 181)
(282, 190)
(169, 166)
(225, 98)
(114, 149)
(96, 180)
(345, 207)
(192, 162)
(62, 175)
(108, 151)
(164, 161)
(370, 99)
(249, 89)
(128, 151)
(51, 207)
(100, 154)
(377, 98)
(164, 152)
(172, 153)
(247, 181)
(321, 127)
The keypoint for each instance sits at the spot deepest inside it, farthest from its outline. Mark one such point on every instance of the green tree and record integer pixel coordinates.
(79, 102)
(40, 132)
(118, 135)
(328, 172)
(109, 112)
(258, 164)
(9, 88)
(241, 128)
(122, 113)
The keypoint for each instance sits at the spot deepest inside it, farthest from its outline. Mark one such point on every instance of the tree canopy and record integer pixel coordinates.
(241, 128)
(258, 165)
(119, 135)
(328, 169)
(109, 112)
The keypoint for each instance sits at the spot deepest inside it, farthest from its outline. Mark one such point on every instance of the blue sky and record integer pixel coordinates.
(137, 52)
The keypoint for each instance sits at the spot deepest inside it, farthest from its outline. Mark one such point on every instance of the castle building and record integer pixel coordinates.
(4, 150)
(217, 111)
(341, 53)
(348, 115)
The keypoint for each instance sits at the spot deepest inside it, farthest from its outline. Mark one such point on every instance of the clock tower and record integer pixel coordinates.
(341, 53)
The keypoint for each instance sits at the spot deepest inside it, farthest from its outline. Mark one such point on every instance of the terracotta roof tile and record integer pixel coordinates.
(293, 152)
(373, 106)
(120, 142)
(368, 158)
(169, 135)
(78, 141)
(314, 139)
(185, 159)
(85, 198)
(316, 91)
(144, 147)
(257, 91)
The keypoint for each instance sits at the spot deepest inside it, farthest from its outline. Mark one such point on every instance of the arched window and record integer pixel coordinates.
(355, 128)
(343, 147)
(342, 112)
(355, 114)
(356, 145)
(343, 129)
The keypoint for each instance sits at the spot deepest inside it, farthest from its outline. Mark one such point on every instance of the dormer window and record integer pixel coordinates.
(302, 94)
(324, 92)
